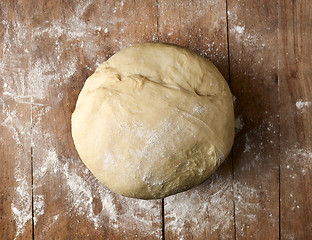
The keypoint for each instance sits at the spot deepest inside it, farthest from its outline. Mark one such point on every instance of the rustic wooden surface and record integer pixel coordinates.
(295, 96)
(254, 82)
(262, 48)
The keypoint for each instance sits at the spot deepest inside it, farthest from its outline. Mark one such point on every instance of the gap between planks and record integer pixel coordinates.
(32, 168)
(163, 218)
(279, 121)
(229, 73)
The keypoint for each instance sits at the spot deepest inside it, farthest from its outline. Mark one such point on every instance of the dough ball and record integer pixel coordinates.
(153, 120)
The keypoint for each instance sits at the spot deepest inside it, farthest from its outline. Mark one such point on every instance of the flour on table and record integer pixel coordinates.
(238, 29)
(248, 144)
(248, 193)
(21, 203)
(239, 124)
(246, 38)
(38, 203)
(189, 209)
(298, 163)
(302, 105)
(234, 100)
(83, 189)
(299, 159)
(248, 202)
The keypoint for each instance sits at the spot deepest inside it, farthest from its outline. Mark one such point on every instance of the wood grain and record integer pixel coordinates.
(15, 127)
(253, 53)
(295, 73)
(15, 173)
(68, 201)
(205, 212)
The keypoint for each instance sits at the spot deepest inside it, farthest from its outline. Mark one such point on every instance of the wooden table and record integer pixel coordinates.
(263, 48)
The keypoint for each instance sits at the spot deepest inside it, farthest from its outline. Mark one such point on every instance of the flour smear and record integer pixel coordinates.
(82, 189)
(13, 125)
(205, 208)
(303, 105)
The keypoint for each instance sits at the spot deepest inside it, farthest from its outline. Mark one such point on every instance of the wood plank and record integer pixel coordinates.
(253, 72)
(16, 198)
(295, 33)
(205, 212)
(68, 44)
(15, 126)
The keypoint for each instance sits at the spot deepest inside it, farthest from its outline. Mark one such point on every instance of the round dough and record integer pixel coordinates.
(153, 120)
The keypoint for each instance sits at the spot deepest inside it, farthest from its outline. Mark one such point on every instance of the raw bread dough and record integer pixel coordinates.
(153, 120)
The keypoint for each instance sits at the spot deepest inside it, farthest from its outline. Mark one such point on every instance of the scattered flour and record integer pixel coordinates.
(244, 195)
(238, 29)
(302, 106)
(298, 163)
(56, 217)
(247, 38)
(21, 203)
(189, 210)
(298, 159)
(38, 207)
(81, 190)
(239, 124)
(250, 201)
(248, 144)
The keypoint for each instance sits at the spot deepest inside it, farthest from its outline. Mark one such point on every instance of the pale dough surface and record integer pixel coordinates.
(153, 120)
